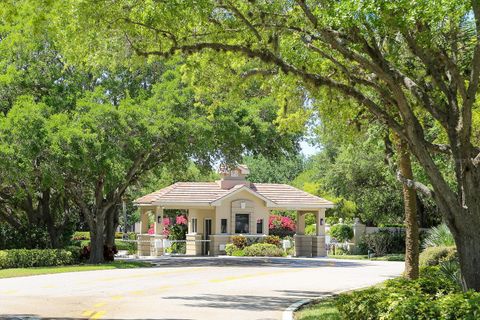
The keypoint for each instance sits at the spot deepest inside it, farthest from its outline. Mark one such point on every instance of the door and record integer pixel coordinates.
(207, 233)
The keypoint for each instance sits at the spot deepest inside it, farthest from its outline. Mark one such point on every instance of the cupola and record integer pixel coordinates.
(232, 176)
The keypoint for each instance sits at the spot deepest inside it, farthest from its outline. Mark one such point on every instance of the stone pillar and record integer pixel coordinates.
(318, 241)
(158, 226)
(303, 246)
(144, 220)
(144, 244)
(300, 223)
(194, 247)
(320, 222)
(359, 230)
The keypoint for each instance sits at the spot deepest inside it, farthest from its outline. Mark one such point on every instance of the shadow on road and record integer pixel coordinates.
(247, 302)
(178, 262)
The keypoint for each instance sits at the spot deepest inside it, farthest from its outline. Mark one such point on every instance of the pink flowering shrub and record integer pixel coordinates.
(151, 230)
(181, 220)
(281, 226)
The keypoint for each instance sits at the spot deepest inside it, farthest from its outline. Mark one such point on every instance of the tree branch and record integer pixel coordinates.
(239, 15)
(415, 185)
(476, 160)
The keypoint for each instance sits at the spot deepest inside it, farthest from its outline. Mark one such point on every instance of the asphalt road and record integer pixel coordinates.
(188, 288)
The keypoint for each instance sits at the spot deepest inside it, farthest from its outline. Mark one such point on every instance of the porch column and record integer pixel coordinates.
(318, 241)
(144, 220)
(158, 225)
(320, 222)
(300, 223)
(303, 243)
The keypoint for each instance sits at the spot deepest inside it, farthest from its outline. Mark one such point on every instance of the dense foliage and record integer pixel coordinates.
(433, 256)
(281, 226)
(26, 258)
(439, 236)
(341, 232)
(432, 296)
(384, 241)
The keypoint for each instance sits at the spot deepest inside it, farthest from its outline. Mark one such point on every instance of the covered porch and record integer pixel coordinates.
(208, 235)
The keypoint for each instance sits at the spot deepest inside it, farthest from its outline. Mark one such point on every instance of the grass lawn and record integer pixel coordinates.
(388, 257)
(325, 309)
(22, 272)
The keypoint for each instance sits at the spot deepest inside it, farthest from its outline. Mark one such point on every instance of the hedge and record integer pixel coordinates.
(263, 250)
(26, 258)
(85, 235)
(432, 296)
(432, 256)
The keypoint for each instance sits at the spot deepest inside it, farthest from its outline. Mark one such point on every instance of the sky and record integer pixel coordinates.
(308, 149)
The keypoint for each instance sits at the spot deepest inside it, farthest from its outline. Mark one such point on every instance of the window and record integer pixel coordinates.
(194, 224)
(241, 223)
(223, 226)
(260, 226)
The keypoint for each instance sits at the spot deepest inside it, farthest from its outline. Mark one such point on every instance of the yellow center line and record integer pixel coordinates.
(163, 288)
(8, 291)
(137, 292)
(98, 315)
(100, 304)
(147, 275)
(117, 297)
(251, 275)
(87, 313)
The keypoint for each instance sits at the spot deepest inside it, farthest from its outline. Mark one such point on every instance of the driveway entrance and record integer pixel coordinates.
(189, 288)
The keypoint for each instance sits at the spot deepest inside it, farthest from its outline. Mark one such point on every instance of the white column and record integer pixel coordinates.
(158, 224)
(320, 217)
(300, 223)
(143, 220)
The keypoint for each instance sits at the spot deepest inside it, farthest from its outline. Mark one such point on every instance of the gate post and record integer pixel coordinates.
(193, 246)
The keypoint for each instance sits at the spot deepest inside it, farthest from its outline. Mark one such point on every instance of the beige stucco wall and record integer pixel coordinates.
(201, 215)
(255, 207)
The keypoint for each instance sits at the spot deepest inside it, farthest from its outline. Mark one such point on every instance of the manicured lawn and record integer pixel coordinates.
(388, 257)
(325, 309)
(22, 272)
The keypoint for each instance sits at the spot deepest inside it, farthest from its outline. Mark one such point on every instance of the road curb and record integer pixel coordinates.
(288, 313)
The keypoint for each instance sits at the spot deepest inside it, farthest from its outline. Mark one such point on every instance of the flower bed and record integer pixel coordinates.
(267, 247)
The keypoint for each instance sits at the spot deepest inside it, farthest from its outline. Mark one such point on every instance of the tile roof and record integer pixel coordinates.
(204, 193)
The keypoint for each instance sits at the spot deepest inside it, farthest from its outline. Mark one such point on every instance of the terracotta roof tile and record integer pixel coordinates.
(207, 192)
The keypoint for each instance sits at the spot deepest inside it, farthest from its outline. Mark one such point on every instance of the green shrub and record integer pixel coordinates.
(341, 232)
(275, 240)
(229, 248)
(460, 306)
(26, 258)
(432, 256)
(361, 305)
(310, 230)
(439, 236)
(239, 241)
(384, 242)
(263, 250)
(238, 253)
(81, 235)
(123, 245)
(424, 298)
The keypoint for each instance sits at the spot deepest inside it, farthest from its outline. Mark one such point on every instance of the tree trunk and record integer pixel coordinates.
(468, 247)
(410, 207)
(97, 239)
(111, 226)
